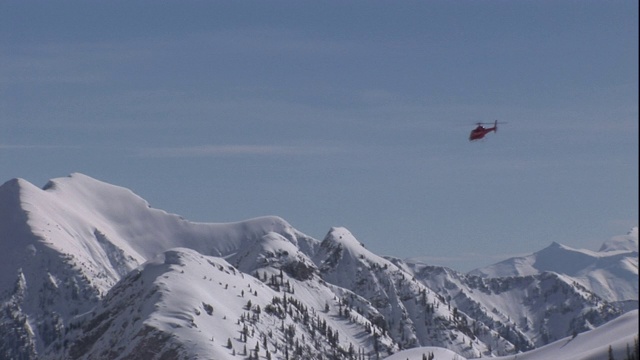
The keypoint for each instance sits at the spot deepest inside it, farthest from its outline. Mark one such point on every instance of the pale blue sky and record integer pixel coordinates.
(339, 113)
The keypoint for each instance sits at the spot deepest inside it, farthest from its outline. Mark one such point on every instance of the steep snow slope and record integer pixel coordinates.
(612, 272)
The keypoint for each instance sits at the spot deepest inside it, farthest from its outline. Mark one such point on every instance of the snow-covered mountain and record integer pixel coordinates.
(545, 296)
(611, 272)
(66, 245)
(619, 335)
(184, 305)
(529, 311)
(89, 270)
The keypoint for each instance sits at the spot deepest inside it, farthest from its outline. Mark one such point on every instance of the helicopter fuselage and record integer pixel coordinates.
(480, 131)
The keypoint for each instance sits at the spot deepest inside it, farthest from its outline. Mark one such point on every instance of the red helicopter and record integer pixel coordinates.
(480, 131)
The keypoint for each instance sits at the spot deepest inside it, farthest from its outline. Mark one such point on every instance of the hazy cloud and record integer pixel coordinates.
(35, 147)
(234, 150)
(460, 261)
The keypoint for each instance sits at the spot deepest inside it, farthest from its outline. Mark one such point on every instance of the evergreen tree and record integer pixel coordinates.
(610, 353)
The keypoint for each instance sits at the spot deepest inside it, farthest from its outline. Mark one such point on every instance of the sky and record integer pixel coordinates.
(339, 113)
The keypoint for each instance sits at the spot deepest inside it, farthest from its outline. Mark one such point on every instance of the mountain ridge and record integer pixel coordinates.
(76, 251)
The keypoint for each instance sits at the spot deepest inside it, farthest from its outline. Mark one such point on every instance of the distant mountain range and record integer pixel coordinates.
(611, 272)
(89, 270)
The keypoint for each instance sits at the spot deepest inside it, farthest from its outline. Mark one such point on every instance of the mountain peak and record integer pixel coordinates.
(13, 183)
(343, 237)
(341, 247)
(15, 186)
